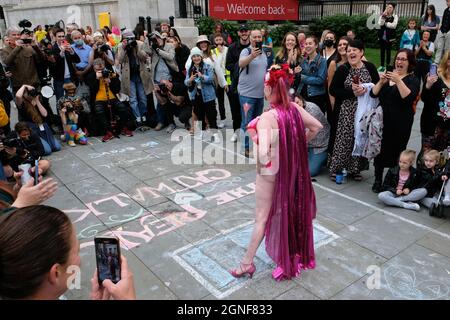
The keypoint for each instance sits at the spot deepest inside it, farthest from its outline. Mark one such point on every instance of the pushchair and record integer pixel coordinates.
(437, 209)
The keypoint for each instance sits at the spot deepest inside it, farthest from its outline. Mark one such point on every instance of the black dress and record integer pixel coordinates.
(398, 118)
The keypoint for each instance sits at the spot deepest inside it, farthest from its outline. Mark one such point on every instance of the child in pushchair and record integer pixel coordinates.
(434, 180)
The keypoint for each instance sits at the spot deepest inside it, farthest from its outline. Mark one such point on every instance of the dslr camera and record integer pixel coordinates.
(104, 48)
(132, 43)
(24, 24)
(107, 73)
(33, 93)
(163, 88)
(13, 141)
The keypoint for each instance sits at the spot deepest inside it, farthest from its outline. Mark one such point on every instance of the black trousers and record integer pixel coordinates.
(385, 51)
(235, 107)
(183, 113)
(422, 69)
(208, 110)
(103, 114)
(220, 92)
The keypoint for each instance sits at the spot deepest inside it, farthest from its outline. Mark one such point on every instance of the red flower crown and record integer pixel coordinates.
(277, 72)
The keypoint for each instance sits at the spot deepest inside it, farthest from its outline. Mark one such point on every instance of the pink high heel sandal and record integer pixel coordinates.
(243, 273)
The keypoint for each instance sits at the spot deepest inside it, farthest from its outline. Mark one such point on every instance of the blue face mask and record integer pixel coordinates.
(79, 42)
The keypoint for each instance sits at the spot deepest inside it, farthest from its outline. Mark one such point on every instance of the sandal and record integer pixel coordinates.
(358, 177)
(333, 177)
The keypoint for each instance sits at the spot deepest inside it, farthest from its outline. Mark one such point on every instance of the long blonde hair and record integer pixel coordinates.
(442, 70)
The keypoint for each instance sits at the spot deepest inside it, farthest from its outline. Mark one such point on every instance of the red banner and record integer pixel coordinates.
(254, 9)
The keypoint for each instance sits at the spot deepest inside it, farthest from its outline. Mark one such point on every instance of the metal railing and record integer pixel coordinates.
(193, 8)
(310, 9)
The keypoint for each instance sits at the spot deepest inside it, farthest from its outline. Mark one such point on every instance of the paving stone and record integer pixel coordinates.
(341, 210)
(382, 234)
(297, 293)
(415, 274)
(339, 264)
(269, 289)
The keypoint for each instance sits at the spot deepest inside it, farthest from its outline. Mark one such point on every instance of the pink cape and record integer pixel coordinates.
(289, 229)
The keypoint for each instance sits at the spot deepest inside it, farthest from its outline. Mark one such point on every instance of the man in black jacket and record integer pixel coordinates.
(62, 63)
(232, 65)
(104, 86)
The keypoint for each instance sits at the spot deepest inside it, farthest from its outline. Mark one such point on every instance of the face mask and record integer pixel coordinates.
(79, 42)
(328, 43)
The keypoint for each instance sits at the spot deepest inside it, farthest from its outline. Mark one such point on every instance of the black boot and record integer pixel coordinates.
(378, 184)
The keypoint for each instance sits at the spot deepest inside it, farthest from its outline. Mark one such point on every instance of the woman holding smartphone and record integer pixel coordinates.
(36, 265)
(435, 92)
(346, 87)
(397, 91)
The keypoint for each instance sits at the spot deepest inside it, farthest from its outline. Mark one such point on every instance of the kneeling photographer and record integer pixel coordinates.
(20, 149)
(112, 115)
(32, 111)
(176, 103)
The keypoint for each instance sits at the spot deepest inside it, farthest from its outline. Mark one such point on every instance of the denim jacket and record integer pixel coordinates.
(207, 82)
(314, 76)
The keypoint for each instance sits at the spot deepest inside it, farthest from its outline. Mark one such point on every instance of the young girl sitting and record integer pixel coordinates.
(431, 177)
(401, 182)
(71, 108)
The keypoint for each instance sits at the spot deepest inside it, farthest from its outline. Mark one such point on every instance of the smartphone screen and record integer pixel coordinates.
(433, 70)
(107, 253)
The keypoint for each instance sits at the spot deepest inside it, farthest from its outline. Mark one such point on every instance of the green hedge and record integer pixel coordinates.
(340, 24)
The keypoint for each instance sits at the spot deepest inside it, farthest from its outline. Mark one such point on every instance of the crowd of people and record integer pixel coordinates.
(330, 106)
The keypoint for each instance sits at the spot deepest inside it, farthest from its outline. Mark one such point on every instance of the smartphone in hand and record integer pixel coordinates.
(355, 79)
(107, 254)
(390, 69)
(433, 70)
(36, 172)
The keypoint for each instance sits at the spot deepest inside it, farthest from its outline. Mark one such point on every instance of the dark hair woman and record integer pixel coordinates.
(397, 91)
(347, 85)
(431, 22)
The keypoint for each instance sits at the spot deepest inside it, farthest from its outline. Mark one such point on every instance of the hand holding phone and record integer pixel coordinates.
(107, 253)
(355, 79)
(36, 172)
(390, 69)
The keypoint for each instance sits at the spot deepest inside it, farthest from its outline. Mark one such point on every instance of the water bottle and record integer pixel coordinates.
(339, 177)
(344, 176)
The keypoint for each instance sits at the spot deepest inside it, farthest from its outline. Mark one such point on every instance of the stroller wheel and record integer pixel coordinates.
(440, 211)
(431, 210)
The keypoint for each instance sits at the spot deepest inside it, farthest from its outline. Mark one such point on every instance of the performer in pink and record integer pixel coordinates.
(285, 199)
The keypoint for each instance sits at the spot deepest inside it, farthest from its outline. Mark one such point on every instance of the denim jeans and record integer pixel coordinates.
(256, 107)
(2, 173)
(138, 98)
(316, 161)
(47, 149)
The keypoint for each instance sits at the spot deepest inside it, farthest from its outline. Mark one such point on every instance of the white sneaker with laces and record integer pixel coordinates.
(234, 137)
(216, 138)
(446, 200)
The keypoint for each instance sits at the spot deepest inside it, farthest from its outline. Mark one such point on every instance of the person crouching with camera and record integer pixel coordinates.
(136, 79)
(176, 98)
(200, 83)
(31, 110)
(20, 147)
(104, 86)
(71, 110)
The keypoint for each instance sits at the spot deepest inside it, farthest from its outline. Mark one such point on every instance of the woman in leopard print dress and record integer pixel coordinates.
(346, 87)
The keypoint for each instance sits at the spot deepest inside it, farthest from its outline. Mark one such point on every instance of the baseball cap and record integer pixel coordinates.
(243, 27)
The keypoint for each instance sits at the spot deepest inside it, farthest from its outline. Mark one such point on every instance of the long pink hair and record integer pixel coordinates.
(279, 79)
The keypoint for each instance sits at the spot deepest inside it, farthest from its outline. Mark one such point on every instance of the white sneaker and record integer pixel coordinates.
(412, 206)
(171, 128)
(216, 138)
(221, 124)
(446, 201)
(234, 137)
